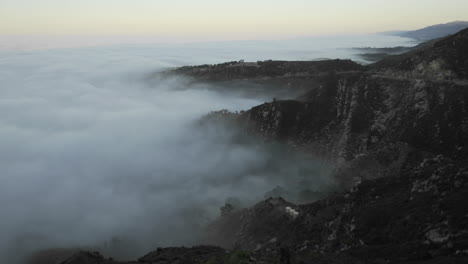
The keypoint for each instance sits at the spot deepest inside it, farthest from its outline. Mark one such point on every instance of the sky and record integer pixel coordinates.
(221, 20)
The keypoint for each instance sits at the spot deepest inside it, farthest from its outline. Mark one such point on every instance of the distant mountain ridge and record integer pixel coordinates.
(432, 32)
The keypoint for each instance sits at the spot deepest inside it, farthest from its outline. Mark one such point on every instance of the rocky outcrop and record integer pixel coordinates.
(363, 112)
(419, 215)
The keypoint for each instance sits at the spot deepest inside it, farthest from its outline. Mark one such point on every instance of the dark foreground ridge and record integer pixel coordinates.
(397, 131)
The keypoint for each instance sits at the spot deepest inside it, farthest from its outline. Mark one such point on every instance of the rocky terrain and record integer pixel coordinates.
(444, 59)
(397, 132)
(417, 216)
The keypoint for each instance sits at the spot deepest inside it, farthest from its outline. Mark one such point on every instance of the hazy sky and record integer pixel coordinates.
(219, 19)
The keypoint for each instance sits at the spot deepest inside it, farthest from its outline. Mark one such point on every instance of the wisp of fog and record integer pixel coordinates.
(92, 152)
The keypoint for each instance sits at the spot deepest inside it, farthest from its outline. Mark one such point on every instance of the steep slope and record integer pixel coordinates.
(399, 134)
(375, 118)
(363, 112)
(446, 59)
(417, 216)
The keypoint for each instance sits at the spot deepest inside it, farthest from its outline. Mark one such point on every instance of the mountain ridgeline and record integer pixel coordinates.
(397, 132)
(416, 100)
(433, 32)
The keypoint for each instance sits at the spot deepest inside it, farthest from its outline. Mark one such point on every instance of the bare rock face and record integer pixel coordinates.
(364, 114)
(417, 216)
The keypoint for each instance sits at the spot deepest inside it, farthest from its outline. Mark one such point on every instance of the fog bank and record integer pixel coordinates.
(90, 150)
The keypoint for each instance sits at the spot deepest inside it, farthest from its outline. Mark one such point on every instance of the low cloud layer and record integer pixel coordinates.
(90, 150)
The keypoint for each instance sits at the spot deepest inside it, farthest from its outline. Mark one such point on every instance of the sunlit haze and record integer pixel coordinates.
(187, 20)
